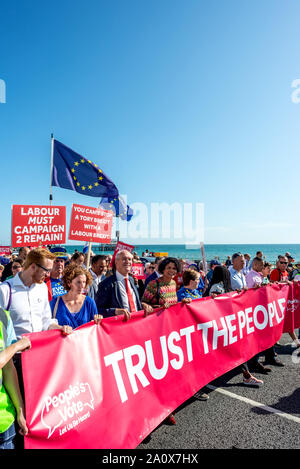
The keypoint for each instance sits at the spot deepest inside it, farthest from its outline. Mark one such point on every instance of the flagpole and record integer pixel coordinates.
(52, 147)
(89, 255)
(203, 257)
(117, 228)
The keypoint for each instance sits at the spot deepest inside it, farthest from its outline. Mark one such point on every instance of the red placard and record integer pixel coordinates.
(119, 247)
(4, 250)
(34, 225)
(138, 271)
(90, 224)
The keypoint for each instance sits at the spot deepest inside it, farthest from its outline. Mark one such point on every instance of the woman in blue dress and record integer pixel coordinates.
(75, 308)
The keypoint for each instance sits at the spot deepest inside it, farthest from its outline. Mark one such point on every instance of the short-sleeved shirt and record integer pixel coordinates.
(278, 276)
(65, 318)
(238, 281)
(254, 278)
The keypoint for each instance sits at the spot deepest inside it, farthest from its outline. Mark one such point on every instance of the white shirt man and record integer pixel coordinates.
(26, 295)
(98, 268)
(238, 280)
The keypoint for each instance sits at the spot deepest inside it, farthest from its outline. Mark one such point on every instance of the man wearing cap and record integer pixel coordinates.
(212, 264)
(54, 281)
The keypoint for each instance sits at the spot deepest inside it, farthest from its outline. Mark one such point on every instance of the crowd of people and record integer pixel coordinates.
(44, 289)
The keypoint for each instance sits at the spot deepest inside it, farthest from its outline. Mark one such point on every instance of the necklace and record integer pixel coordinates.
(191, 294)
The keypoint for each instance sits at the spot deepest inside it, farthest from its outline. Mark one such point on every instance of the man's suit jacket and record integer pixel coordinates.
(108, 296)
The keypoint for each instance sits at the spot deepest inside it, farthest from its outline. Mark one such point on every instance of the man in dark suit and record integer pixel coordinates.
(117, 295)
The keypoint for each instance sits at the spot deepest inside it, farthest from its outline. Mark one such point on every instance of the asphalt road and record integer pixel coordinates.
(236, 416)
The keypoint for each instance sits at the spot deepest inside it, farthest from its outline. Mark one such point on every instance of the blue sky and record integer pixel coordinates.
(176, 102)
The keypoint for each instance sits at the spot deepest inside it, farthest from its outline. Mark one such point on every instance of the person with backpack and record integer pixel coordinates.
(280, 273)
(25, 296)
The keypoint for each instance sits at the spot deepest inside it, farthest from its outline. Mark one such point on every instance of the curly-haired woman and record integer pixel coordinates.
(75, 308)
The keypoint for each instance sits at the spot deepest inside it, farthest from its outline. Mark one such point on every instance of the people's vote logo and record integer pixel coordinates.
(292, 305)
(66, 410)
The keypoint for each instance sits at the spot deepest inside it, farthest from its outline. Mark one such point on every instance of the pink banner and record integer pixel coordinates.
(109, 386)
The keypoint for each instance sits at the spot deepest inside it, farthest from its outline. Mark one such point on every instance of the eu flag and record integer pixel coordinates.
(118, 206)
(74, 172)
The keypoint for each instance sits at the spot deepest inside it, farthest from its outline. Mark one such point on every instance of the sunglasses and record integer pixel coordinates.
(281, 262)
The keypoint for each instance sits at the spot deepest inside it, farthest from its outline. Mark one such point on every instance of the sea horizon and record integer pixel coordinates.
(212, 251)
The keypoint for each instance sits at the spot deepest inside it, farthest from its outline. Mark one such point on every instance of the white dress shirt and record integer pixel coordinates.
(29, 309)
(121, 283)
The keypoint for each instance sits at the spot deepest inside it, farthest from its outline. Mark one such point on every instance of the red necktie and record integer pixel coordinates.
(129, 295)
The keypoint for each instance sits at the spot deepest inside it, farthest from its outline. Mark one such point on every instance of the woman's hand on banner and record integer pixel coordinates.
(66, 330)
(186, 300)
(98, 318)
(147, 309)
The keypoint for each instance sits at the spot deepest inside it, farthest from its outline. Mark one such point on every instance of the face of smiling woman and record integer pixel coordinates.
(170, 271)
